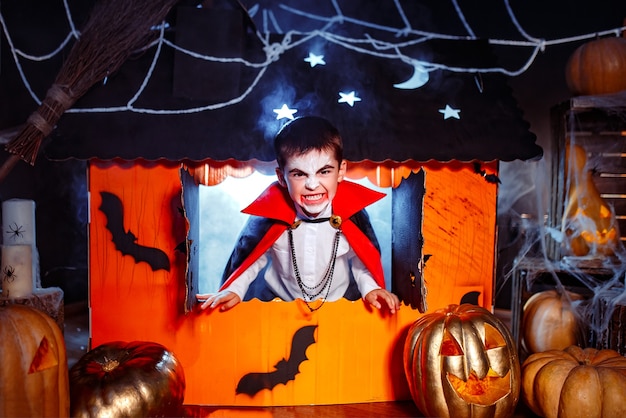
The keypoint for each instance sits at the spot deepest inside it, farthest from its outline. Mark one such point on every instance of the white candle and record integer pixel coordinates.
(18, 228)
(18, 222)
(17, 271)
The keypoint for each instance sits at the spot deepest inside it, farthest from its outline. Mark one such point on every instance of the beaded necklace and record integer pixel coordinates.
(309, 293)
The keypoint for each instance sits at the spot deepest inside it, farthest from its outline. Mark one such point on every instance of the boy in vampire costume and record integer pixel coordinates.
(309, 233)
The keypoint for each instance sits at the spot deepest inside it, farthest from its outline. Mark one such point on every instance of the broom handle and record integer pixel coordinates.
(8, 166)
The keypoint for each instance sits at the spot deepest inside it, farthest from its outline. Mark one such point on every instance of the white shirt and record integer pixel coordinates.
(313, 243)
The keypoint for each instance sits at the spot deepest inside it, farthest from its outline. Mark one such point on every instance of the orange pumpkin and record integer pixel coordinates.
(549, 322)
(461, 361)
(124, 379)
(33, 375)
(597, 67)
(575, 383)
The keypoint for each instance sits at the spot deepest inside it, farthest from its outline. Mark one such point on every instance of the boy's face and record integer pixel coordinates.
(312, 179)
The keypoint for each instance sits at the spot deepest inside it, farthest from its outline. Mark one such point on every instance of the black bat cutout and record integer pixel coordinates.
(470, 297)
(181, 247)
(126, 241)
(490, 178)
(286, 370)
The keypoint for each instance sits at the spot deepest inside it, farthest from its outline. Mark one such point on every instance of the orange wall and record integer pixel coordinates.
(357, 353)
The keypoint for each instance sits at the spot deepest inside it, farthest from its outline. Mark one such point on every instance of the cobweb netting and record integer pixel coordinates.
(389, 30)
(575, 239)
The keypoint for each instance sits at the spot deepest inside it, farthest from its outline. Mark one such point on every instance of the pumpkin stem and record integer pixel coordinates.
(109, 365)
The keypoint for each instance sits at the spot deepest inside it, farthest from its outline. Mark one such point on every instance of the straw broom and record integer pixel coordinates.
(114, 30)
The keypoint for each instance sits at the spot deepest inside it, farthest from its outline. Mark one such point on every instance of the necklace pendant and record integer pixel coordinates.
(335, 221)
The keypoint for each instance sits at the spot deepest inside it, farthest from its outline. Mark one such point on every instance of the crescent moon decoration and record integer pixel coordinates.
(418, 79)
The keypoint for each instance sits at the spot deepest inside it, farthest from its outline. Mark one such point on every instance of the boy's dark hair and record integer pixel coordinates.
(304, 134)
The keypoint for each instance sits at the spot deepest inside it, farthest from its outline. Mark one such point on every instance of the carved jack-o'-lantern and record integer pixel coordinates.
(34, 374)
(589, 224)
(461, 361)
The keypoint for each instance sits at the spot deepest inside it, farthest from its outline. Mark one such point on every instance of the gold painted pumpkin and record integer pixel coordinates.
(597, 67)
(33, 375)
(123, 379)
(461, 361)
(575, 383)
(550, 322)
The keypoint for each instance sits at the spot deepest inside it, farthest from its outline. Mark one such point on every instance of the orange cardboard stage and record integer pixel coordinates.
(273, 353)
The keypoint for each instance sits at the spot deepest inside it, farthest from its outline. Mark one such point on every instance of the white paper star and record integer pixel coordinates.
(349, 98)
(284, 112)
(315, 59)
(449, 112)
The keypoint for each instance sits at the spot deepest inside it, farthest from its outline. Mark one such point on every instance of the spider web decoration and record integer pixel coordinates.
(224, 69)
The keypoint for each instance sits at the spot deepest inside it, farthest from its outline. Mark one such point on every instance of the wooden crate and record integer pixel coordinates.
(534, 275)
(598, 124)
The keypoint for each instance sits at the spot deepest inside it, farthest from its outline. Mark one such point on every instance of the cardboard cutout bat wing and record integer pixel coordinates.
(126, 241)
(286, 370)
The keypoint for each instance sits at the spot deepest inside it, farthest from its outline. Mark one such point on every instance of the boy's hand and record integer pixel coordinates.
(224, 299)
(376, 296)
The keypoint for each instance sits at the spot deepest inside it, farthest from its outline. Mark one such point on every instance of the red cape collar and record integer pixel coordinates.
(275, 202)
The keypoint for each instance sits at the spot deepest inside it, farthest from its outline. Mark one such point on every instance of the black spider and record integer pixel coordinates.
(16, 231)
(9, 274)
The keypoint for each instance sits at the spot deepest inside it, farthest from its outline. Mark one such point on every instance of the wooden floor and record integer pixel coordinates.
(377, 409)
(363, 410)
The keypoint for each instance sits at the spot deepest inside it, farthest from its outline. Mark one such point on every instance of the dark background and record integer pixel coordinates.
(59, 187)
